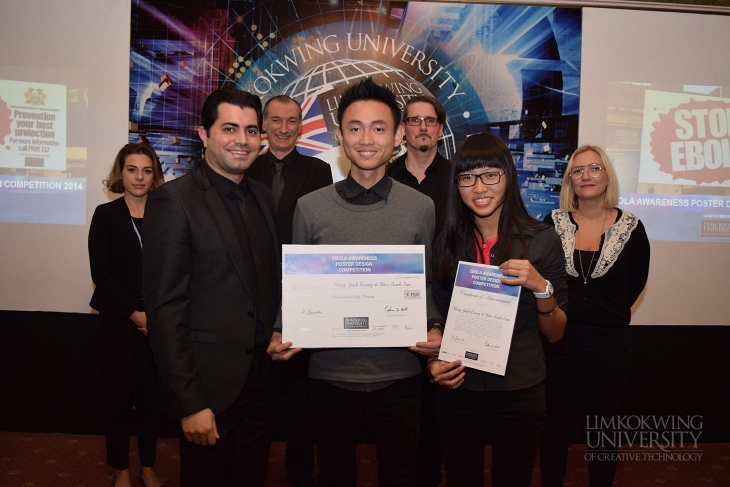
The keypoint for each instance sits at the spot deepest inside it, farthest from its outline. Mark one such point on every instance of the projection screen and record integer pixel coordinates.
(655, 92)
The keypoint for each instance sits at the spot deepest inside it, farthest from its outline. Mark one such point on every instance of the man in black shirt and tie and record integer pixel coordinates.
(290, 175)
(282, 168)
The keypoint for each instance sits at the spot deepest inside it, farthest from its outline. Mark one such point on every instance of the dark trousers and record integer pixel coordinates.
(513, 420)
(130, 383)
(241, 454)
(299, 457)
(428, 454)
(593, 382)
(391, 418)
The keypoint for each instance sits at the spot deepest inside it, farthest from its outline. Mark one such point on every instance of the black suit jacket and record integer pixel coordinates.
(200, 312)
(305, 175)
(115, 258)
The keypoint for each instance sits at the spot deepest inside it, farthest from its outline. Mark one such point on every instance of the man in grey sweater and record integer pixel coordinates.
(369, 389)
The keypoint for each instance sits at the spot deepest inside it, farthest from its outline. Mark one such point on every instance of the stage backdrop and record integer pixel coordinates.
(511, 70)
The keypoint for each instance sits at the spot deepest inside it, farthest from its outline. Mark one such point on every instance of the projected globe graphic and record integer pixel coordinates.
(322, 86)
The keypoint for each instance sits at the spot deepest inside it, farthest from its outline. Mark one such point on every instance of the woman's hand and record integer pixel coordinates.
(523, 274)
(448, 374)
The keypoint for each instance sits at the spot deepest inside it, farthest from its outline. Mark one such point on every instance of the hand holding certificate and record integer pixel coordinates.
(353, 296)
(481, 319)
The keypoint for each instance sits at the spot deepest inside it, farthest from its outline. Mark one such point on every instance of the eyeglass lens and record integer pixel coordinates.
(593, 170)
(487, 178)
(415, 121)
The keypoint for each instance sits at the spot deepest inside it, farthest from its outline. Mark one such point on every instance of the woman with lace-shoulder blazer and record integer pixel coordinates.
(607, 262)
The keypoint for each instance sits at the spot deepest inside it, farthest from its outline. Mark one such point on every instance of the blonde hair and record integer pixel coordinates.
(114, 182)
(568, 198)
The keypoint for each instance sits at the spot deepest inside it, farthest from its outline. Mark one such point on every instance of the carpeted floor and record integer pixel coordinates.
(57, 460)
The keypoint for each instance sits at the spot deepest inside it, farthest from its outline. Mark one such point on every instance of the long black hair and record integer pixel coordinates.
(479, 151)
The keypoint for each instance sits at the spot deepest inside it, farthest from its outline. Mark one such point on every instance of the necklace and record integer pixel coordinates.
(580, 257)
(486, 241)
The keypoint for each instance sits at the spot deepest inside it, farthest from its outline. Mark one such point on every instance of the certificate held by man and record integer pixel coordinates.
(352, 296)
(481, 319)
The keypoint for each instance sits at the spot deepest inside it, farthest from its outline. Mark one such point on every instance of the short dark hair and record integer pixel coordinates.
(239, 98)
(281, 99)
(367, 90)
(437, 106)
(114, 182)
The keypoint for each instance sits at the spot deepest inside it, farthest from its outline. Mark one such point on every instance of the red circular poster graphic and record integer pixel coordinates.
(691, 141)
(5, 122)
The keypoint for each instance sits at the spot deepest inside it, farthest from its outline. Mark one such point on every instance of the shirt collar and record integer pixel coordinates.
(288, 159)
(225, 186)
(353, 189)
(399, 165)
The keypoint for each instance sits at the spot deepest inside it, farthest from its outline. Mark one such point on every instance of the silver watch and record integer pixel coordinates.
(548, 291)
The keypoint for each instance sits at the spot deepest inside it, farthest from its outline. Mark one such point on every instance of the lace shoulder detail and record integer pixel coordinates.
(616, 237)
(566, 231)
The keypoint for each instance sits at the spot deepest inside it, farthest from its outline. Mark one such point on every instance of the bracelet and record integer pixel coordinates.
(548, 313)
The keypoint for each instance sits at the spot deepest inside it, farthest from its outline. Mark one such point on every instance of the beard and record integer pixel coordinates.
(424, 148)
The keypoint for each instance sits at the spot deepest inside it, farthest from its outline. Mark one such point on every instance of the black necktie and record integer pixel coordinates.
(262, 277)
(277, 184)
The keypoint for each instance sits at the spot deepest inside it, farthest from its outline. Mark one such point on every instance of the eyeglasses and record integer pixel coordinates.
(594, 170)
(416, 121)
(487, 178)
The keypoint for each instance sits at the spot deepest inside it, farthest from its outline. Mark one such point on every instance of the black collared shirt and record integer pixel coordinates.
(231, 193)
(353, 192)
(435, 185)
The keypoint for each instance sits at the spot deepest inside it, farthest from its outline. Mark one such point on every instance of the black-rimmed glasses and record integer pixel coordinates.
(416, 121)
(594, 170)
(488, 178)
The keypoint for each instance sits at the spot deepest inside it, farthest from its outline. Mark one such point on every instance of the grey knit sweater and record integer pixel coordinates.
(405, 218)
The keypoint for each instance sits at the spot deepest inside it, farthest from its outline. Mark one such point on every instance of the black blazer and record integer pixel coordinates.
(201, 318)
(115, 258)
(305, 175)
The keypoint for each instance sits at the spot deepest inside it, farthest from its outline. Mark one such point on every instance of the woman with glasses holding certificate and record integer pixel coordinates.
(607, 261)
(487, 223)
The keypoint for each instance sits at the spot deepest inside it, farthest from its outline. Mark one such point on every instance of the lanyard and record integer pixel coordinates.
(137, 232)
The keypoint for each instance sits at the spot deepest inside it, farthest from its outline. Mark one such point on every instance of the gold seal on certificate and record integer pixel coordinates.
(351, 296)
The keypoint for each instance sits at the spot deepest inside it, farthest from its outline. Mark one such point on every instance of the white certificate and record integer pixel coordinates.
(481, 319)
(353, 296)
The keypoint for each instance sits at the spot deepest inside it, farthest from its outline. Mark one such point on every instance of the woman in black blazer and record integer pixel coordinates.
(128, 369)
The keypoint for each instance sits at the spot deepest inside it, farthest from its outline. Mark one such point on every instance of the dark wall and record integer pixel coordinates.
(50, 366)
(51, 381)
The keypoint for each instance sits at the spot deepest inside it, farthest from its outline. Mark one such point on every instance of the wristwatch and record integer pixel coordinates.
(548, 291)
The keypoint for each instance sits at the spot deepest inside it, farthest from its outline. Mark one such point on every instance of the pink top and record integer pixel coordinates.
(483, 249)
